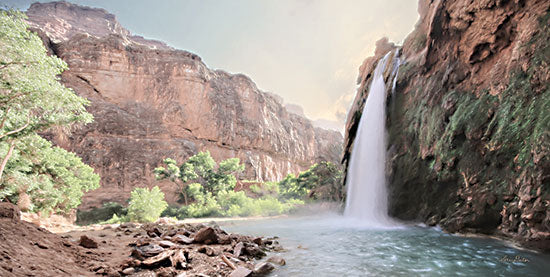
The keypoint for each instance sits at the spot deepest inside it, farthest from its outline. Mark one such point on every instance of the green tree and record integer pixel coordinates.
(33, 100)
(321, 181)
(201, 169)
(146, 205)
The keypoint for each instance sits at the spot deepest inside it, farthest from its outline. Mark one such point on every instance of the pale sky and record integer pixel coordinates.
(307, 51)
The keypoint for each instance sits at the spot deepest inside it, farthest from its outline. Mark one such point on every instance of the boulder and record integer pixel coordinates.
(277, 260)
(87, 242)
(147, 251)
(206, 235)
(129, 271)
(254, 251)
(9, 211)
(207, 250)
(258, 241)
(263, 268)
(237, 250)
(166, 244)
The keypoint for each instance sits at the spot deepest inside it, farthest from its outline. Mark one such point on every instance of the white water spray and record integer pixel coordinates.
(366, 178)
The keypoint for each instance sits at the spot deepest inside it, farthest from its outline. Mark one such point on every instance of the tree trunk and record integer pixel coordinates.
(6, 158)
(185, 197)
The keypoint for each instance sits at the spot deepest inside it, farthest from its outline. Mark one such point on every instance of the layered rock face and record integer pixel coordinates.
(469, 121)
(151, 102)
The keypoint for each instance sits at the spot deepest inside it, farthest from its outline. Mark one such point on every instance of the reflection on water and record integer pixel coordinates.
(334, 246)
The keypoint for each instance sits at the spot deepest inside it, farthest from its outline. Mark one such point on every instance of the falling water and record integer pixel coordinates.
(366, 178)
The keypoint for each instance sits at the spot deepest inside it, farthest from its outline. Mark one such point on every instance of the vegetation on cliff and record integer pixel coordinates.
(35, 174)
(209, 190)
(467, 153)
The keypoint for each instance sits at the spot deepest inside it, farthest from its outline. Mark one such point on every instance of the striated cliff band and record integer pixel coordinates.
(151, 102)
(469, 120)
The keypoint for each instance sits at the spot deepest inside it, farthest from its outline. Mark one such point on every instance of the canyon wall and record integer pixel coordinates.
(469, 121)
(151, 102)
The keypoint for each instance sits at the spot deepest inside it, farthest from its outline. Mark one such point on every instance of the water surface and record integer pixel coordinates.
(332, 246)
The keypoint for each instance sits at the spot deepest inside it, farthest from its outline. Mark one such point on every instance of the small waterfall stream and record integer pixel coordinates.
(366, 178)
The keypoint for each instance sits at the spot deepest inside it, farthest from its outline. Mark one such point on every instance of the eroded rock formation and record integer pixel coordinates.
(469, 131)
(151, 102)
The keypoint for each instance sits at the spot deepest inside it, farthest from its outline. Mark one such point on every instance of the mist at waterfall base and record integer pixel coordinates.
(365, 241)
(366, 202)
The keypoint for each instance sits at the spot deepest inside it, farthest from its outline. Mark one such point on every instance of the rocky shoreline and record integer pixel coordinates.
(129, 249)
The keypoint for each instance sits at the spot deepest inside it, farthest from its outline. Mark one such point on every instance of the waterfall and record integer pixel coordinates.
(366, 178)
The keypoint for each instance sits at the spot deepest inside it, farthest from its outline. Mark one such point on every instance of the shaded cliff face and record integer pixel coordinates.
(469, 123)
(151, 102)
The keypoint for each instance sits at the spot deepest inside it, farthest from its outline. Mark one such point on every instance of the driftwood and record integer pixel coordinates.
(228, 262)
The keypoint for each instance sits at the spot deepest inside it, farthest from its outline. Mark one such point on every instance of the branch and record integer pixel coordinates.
(15, 96)
(19, 129)
(16, 63)
(229, 263)
(5, 117)
(6, 158)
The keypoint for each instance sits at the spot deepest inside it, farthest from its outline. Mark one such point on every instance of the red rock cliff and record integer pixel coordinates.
(151, 102)
(469, 122)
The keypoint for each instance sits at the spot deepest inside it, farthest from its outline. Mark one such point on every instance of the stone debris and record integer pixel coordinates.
(154, 250)
(238, 249)
(182, 239)
(197, 250)
(277, 260)
(87, 242)
(241, 272)
(206, 235)
(263, 268)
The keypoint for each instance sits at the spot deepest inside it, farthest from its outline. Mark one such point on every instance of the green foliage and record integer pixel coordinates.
(101, 214)
(213, 195)
(492, 137)
(116, 219)
(32, 100)
(31, 91)
(265, 189)
(201, 168)
(233, 203)
(54, 178)
(205, 203)
(146, 205)
(323, 179)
